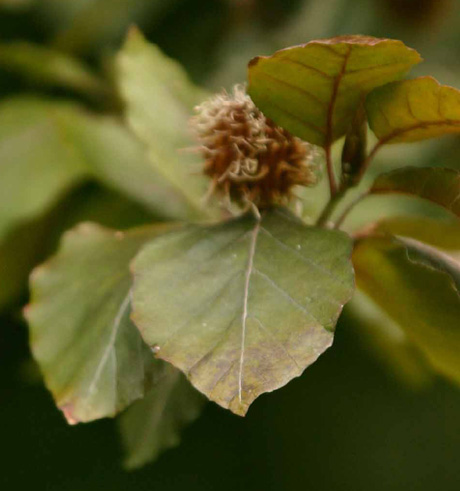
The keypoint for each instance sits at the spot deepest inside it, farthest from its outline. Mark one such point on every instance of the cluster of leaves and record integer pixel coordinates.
(238, 307)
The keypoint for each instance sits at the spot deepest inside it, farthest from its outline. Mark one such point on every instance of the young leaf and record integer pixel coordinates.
(91, 356)
(152, 425)
(441, 186)
(314, 90)
(413, 110)
(418, 292)
(244, 306)
(159, 101)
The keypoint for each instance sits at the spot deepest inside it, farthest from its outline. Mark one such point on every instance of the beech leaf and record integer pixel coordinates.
(92, 358)
(437, 233)
(244, 306)
(159, 101)
(152, 425)
(435, 184)
(50, 66)
(37, 162)
(418, 288)
(387, 342)
(314, 90)
(413, 110)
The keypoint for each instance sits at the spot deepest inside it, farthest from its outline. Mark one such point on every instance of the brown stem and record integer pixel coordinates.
(338, 193)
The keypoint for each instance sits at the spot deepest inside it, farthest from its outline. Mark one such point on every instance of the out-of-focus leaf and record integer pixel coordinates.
(16, 4)
(418, 292)
(29, 243)
(46, 147)
(20, 250)
(439, 185)
(96, 203)
(441, 234)
(423, 254)
(86, 26)
(387, 341)
(244, 306)
(92, 357)
(49, 66)
(152, 425)
(413, 110)
(37, 161)
(159, 100)
(119, 160)
(314, 90)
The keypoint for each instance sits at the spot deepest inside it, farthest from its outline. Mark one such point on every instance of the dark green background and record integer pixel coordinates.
(343, 425)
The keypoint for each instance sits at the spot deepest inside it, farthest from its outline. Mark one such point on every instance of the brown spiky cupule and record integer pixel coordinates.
(248, 158)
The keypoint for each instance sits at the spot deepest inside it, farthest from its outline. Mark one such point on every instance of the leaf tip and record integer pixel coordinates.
(254, 61)
(67, 410)
(26, 311)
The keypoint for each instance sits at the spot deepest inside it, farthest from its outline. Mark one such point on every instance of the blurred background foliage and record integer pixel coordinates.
(67, 155)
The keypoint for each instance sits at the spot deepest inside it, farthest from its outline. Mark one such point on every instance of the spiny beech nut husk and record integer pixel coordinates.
(248, 158)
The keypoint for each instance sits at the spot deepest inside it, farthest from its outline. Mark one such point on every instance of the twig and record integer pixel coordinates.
(348, 209)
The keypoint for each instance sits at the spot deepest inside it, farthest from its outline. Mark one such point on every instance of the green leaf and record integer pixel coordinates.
(38, 164)
(92, 358)
(20, 250)
(91, 25)
(440, 234)
(413, 110)
(31, 242)
(49, 66)
(153, 424)
(314, 90)
(159, 100)
(244, 306)
(119, 160)
(387, 342)
(417, 288)
(433, 258)
(441, 186)
(46, 147)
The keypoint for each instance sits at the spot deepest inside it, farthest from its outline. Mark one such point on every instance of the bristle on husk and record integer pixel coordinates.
(248, 158)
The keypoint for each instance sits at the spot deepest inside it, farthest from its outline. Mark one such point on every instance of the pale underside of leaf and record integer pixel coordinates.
(243, 307)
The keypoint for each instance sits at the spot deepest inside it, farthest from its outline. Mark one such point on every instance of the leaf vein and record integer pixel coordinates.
(277, 341)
